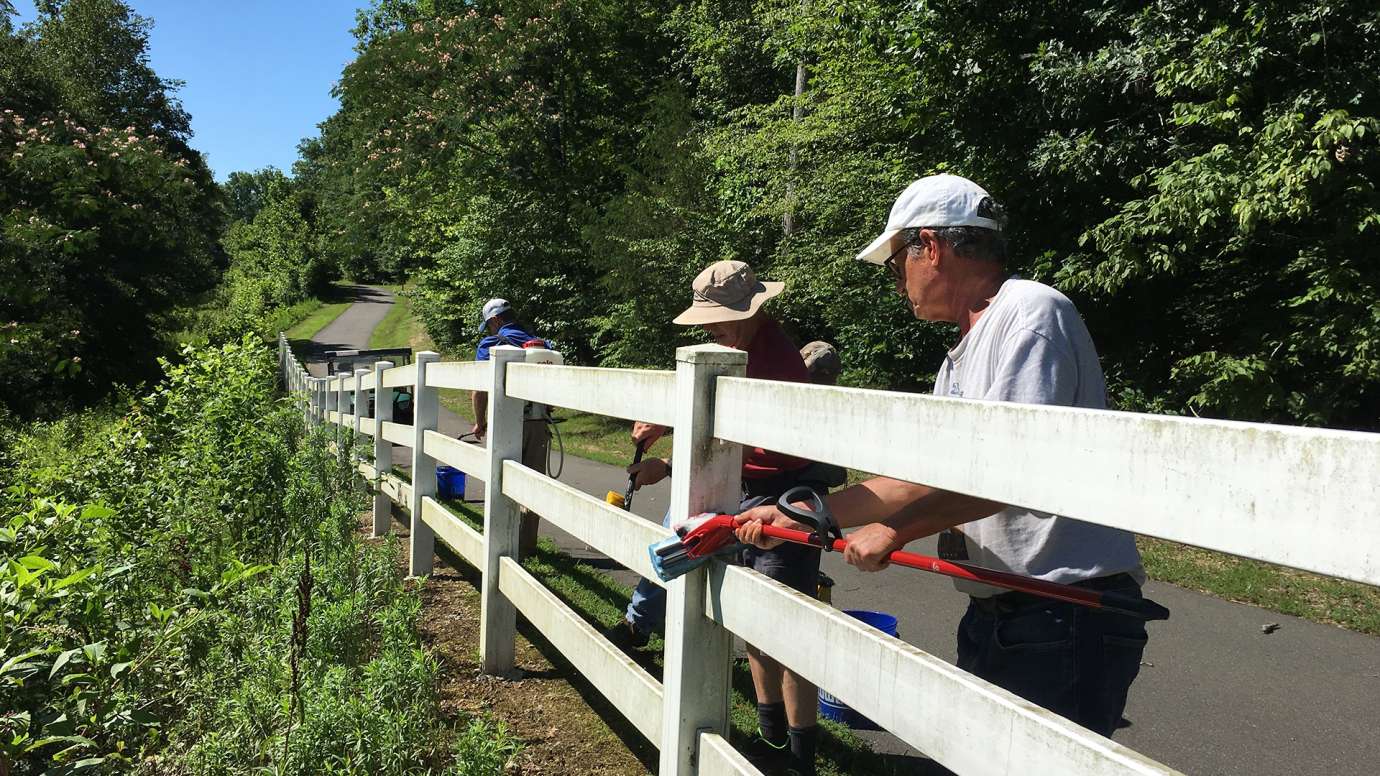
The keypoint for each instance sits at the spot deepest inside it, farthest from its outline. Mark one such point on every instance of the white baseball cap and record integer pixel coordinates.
(491, 308)
(935, 201)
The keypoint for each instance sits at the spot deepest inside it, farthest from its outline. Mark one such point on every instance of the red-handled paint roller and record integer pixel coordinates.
(703, 537)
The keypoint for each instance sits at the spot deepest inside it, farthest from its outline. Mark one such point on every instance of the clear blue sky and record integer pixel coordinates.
(258, 74)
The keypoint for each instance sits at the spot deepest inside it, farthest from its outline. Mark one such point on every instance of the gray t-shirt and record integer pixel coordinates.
(1031, 347)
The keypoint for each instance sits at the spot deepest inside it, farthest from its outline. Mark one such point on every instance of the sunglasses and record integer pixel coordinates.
(892, 266)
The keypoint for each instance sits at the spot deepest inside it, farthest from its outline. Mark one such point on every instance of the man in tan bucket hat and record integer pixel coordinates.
(726, 291)
(727, 303)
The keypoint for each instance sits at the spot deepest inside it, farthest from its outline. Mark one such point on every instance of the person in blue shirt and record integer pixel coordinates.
(500, 326)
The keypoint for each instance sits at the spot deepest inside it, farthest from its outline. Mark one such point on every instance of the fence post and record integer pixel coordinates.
(304, 382)
(331, 398)
(498, 618)
(695, 680)
(383, 449)
(425, 412)
(361, 404)
(340, 417)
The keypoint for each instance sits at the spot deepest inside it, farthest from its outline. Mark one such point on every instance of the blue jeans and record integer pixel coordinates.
(647, 609)
(1074, 661)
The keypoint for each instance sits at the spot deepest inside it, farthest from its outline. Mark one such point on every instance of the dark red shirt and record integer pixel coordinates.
(772, 356)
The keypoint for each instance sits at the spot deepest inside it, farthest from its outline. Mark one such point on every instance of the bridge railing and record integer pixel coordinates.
(1306, 498)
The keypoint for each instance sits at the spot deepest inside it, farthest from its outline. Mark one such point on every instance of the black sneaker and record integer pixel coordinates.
(767, 757)
(625, 636)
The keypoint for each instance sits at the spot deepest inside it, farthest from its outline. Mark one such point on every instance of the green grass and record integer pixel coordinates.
(1310, 596)
(312, 316)
(601, 601)
(399, 328)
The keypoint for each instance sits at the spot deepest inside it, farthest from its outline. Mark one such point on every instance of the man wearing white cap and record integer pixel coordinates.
(1019, 341)
(499, 325)
(727, 303)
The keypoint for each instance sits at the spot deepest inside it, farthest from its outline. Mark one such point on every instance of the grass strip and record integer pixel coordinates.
(1311, 596)
(601, 600)
(317, 315)
(400, 328)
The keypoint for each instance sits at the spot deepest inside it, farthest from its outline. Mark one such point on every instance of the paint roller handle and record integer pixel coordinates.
(632, 478)
(1107, 600)
(815, 513)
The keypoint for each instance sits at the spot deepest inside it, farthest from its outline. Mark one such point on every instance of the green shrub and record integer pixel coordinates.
(183, 590)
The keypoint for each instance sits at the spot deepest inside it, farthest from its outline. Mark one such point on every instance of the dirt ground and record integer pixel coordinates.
(563, 723)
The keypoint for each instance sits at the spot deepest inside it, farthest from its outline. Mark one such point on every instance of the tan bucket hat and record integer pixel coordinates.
(727, 291)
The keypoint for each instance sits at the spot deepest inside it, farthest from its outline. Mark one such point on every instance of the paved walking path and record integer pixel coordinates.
(1215, 695)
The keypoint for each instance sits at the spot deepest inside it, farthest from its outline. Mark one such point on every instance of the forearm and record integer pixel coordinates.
(912, 510)
(937, 510)
(479, 402)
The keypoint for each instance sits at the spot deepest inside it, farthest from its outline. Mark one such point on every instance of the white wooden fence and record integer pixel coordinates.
(1306, 498)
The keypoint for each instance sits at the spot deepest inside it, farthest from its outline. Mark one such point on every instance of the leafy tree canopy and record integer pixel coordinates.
(107, 219)
(1200, 178)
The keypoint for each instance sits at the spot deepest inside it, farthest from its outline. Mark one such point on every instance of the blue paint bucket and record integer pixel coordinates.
(882, 621)
(834, 709)
(450, 483)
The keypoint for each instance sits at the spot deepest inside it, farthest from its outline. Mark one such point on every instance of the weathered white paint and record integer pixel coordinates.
(462, 375)
(623, 682)
(616, 533)
(366, 426)
(318, 398)
(383, 449)
(499, 619)
(1280, 494)
(452, 452)
(718, 758)
(425, 416)
(361, 407)
(400, 376)
(695, 680)
(347, 421)
(397, 433)
(454, 532)
(970, 726)
(367, 471)
(333, 416)
(343, 406)
(369, 381)
(634, 394)
(396, 490)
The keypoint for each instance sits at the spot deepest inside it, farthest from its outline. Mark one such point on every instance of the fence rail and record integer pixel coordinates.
(1274, 493)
